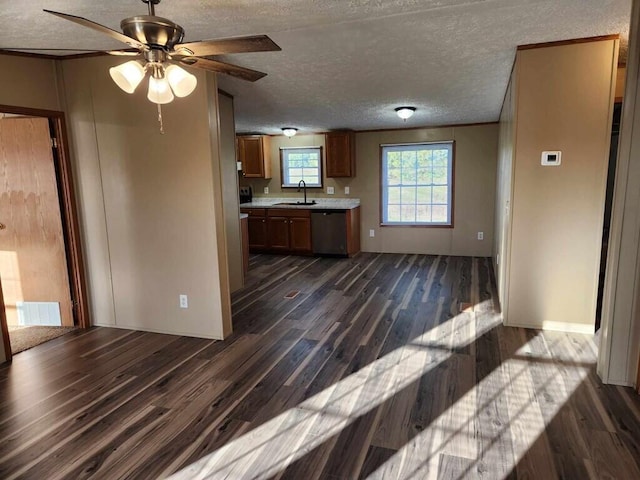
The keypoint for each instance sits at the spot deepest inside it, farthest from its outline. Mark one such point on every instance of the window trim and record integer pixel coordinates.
(451, 224)
(320, 167)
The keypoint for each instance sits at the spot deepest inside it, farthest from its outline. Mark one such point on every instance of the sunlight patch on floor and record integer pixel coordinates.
(270, 448)
(518, 407)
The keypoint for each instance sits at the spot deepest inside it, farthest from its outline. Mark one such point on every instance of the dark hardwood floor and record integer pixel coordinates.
(382, 366)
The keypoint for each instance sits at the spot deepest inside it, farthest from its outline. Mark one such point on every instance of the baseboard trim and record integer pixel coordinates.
(164, 332)
(558, 327)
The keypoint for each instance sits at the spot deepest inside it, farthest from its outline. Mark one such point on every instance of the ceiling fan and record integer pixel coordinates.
(158, 41)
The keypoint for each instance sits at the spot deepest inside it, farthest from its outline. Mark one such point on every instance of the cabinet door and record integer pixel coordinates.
(340, 155)
(257, 233)
(300, 234)
(278, 228)
(251, 156)
(254, 155)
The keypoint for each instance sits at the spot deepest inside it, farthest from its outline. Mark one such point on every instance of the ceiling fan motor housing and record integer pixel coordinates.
(153, 31)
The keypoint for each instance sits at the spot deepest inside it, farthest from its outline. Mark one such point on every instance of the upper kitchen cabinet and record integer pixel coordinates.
(255, 155)
(341, 154)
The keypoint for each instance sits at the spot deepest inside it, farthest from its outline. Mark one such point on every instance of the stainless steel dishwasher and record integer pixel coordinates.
(329, 232)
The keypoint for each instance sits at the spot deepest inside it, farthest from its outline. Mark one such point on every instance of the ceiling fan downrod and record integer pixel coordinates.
(152, 6)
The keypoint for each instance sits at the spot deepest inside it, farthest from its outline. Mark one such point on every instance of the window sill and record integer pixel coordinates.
(417, 225)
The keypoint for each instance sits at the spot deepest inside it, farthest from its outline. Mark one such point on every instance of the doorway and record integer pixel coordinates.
(608, 204)
(41, 272)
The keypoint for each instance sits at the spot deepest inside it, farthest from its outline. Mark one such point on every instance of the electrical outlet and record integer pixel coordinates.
(184, 301)
(372, 233)
(330, 190)
(266, 190)
(480, 235)
(346, 190)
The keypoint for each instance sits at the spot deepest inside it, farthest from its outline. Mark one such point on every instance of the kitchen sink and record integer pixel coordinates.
(297, 203)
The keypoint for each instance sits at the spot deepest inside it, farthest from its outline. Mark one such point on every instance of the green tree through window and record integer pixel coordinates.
(303, 163)
(417, 184)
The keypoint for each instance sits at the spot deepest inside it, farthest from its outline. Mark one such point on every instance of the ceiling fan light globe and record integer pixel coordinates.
(128, 75)
(182, 82)
(289, 131)
(159, 91)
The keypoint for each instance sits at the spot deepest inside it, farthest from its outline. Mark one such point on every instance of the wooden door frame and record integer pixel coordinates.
(68, 212)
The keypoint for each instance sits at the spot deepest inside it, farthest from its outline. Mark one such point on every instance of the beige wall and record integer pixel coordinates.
(504, 191)
(27, 82)
(564, 102)
(230, 191)
(475, 166)
(147, 203)
(474, 192)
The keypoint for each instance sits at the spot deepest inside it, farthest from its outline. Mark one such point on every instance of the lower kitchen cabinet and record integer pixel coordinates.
(300, 234)
(289, 230)
(278, 233)
(257, 226)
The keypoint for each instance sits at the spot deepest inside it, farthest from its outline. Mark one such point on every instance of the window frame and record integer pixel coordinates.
(283, 151)
(451, 183)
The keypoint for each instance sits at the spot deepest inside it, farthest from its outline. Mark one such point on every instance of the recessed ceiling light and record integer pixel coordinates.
(405, 112)
(289, 131)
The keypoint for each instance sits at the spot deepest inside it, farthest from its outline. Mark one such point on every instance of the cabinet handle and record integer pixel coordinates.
(263, 221)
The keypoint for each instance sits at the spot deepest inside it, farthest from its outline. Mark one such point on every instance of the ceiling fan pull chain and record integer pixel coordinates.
(160, 119)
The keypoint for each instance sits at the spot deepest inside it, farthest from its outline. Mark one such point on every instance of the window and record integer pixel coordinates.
(302, 163)
(417, 184)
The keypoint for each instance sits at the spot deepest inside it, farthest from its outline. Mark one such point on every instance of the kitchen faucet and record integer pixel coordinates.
(304, 186)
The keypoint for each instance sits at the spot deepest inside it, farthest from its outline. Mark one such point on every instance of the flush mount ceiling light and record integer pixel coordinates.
(405, 112)
(289, 131)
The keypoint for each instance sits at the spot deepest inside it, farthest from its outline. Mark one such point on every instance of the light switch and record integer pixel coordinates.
(330, 190)
(346, 190)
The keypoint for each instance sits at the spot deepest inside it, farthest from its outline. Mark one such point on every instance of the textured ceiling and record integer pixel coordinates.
(347, 63)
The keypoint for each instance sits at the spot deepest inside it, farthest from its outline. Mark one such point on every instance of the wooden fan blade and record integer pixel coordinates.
(124, 53)
(21, 49)
(226, 68)
(100, 28)
(205, 48)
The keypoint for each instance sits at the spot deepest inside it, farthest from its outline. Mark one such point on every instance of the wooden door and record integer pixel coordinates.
(33, 264)
(300, 234)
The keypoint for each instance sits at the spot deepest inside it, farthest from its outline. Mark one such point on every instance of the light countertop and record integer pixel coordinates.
(322, 203)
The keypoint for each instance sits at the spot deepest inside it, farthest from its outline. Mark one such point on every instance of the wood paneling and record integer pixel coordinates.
(33, 261)
(383, 366)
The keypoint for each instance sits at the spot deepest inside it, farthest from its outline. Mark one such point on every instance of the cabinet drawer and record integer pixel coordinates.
(254, 212)
(288, 212)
